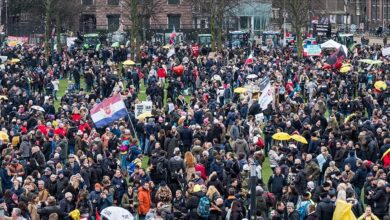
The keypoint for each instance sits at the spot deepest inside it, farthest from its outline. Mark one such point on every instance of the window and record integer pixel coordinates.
(173, 2)
(87, 2)
(112, 2)
(113, 22)
(173, 21)
(375, 14)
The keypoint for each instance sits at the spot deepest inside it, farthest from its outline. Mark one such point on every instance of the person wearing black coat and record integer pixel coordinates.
(192, 204)
(62, 183)
(67, 204)
(325, 208)
(360, 177)
(378, 197)
(85, 173)
(186, 137)
(276, 183)
(46, 210)
(300, 181)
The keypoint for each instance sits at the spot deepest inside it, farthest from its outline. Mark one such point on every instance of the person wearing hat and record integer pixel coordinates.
(15, 168)
(67, 204)
(72, 167)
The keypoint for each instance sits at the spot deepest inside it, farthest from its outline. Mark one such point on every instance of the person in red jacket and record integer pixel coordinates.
(60, 130)
(162, 74)
(145, 199)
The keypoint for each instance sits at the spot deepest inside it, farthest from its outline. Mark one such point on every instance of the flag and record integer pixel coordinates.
(173, 36)
(249, 60)
(336, 59)
(97, 216)
(171, 52)
(343, 211)
(108, 111)
(266, 97)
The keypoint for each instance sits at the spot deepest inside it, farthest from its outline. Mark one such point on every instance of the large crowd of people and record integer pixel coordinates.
(192, 158)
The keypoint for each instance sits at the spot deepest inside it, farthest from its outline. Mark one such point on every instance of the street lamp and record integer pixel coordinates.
(253, 181)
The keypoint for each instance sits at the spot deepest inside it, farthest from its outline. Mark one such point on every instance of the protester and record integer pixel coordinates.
(189, 142)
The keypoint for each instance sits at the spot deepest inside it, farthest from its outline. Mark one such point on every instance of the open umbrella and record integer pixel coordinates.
(371, 62)
(385, 153)
(281, 136)
(129, 62)
(116, 213)
(14, 60)
(252, 76)
(144, 115)
(3, 97)
(166, 46)
(239, 90)
(38, 108)
(4, 136)
(380, 85)
(345, 69)
(12, 43)
(115, 45)
(348, 118)
(216, 78)
(299, 138)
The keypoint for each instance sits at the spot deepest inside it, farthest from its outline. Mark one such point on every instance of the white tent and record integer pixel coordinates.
(330, 44)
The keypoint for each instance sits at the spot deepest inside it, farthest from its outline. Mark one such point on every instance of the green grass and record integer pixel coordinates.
(266, 169)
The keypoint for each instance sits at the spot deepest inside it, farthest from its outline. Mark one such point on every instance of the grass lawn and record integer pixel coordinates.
(267, 172)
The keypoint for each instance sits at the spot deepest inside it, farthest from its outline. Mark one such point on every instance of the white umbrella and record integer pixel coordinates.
(38, 108)
(252, 76)
(216, 78)
(116, 213)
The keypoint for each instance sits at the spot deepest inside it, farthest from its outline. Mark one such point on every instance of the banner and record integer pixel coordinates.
(312, 50)
(386, 51)
(142, 108)
(19, 40)
(266, 97)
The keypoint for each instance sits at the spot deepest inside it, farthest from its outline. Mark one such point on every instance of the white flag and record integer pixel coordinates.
(266, 97)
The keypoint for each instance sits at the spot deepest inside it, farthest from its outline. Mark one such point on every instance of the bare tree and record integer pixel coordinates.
(139, 13)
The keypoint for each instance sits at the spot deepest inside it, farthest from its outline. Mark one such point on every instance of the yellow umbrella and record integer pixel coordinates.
(281, 136)
(349, 117)
(3, 97)
(299, 138)
(4, 136)
(12, 43)
(345, 69)
(385, 153)
(15, 60)
(167, 46)
(240, 90)
(380, 85)
(129, 62)
(144, 115)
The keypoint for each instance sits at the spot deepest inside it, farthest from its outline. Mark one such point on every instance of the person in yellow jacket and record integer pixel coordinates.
(368, 215)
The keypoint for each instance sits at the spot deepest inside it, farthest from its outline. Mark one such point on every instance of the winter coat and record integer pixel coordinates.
(300, 182)
(25, 149)
(145, 200)
(325, 209)
(276, 183)
(359, 178)
(241, 146)
(46, 211)
(66, 206)
(127, 201)
(380, 201)
(312, 169)
(192, 205)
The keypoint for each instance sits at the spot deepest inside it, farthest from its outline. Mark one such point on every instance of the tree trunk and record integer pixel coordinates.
(135, 29)
(299, 42)
(47, 27)
(58, 33)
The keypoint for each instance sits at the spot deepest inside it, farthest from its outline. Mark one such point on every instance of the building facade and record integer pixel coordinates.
(378, 14)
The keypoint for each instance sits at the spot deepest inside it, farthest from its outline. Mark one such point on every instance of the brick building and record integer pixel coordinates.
(378, 13)
(108, 15)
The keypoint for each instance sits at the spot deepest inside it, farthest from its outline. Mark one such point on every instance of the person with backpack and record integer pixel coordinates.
(198, 204)
(262, 206)
(303, 205)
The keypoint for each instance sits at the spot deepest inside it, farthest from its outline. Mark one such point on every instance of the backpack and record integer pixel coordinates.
(261, 203)
(271, 199)
(203, 209)
(160, 169)
(302, 209)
